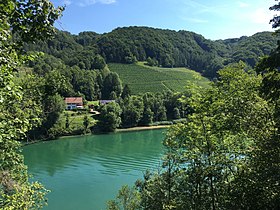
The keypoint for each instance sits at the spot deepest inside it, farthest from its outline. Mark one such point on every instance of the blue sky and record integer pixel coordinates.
(214, 19)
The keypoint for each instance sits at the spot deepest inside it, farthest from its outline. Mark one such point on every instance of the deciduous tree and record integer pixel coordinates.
(110, 118)
(19, 21)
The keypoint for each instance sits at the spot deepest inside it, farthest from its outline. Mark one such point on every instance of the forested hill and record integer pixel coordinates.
(165, 47)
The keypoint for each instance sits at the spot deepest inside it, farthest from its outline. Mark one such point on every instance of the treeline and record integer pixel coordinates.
(166, 48)
(94, 84)
(147, 109)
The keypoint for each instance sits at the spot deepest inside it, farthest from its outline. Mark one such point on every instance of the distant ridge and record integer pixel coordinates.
(168, 47)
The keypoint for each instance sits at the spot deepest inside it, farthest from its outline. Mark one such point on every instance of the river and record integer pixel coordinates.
(85, 172)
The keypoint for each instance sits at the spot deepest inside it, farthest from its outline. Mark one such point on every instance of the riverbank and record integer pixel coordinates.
(140, 128)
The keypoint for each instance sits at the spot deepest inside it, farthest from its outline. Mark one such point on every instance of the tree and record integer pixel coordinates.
(132, 111)
(168, 61)
(147, 118)
(29, 20)
(19, 21)
(32, 97)
(127, 199)
(67, 121)
(261, 182)
(85, 82)
(210, 158)
(276, 19)
(86, 123)
(57, 83)
(130, 59)
(98, 62)
(53, 107)
(48, 97)
(161, 113)
(126, 92)
(172, 104)
(269, 65)
(155, 102)
(111, 83)
(113, 95)
(176, 113)
(110, 118)
(151, 62)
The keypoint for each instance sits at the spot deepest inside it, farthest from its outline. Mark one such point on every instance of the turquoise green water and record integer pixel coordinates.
(85, 172)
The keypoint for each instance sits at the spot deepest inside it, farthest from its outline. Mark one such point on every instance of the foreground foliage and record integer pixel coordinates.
(227, 154)
(20, 21)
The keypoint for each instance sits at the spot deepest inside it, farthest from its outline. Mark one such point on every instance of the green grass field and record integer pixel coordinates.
(141, 78)
(76, 119)
(94, 103)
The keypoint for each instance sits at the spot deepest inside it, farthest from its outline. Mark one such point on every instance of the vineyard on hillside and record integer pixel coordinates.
(141, 78)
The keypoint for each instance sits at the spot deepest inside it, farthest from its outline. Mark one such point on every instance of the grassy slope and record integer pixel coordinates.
(76, 119)
(141, 78)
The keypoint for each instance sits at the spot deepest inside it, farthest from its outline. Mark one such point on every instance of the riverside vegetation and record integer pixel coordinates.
(89, 76)
(223, 155)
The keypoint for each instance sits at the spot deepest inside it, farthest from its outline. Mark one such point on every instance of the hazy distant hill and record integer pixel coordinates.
(168, 48)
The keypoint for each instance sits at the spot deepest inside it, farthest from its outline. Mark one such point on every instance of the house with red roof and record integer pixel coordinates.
(74, 103)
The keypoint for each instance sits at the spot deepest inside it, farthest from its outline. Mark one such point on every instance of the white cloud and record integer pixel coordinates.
(84, 3)
(257, 13)
(261, 16)
(253, 20)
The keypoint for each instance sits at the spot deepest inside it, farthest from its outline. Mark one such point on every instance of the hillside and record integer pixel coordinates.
(248, 49)
(141, 78)
(169, 48)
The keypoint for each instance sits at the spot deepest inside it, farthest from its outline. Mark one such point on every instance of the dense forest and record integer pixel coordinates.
(224, 154)
(166, 48)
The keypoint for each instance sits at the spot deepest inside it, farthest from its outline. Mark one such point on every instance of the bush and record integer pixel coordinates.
(182, 120)
(161, 123)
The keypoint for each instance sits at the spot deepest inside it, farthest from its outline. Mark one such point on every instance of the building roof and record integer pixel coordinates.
(73, 100)
(106, 101)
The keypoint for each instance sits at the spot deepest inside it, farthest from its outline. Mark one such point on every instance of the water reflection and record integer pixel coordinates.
(92, 164)
(115, 152)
